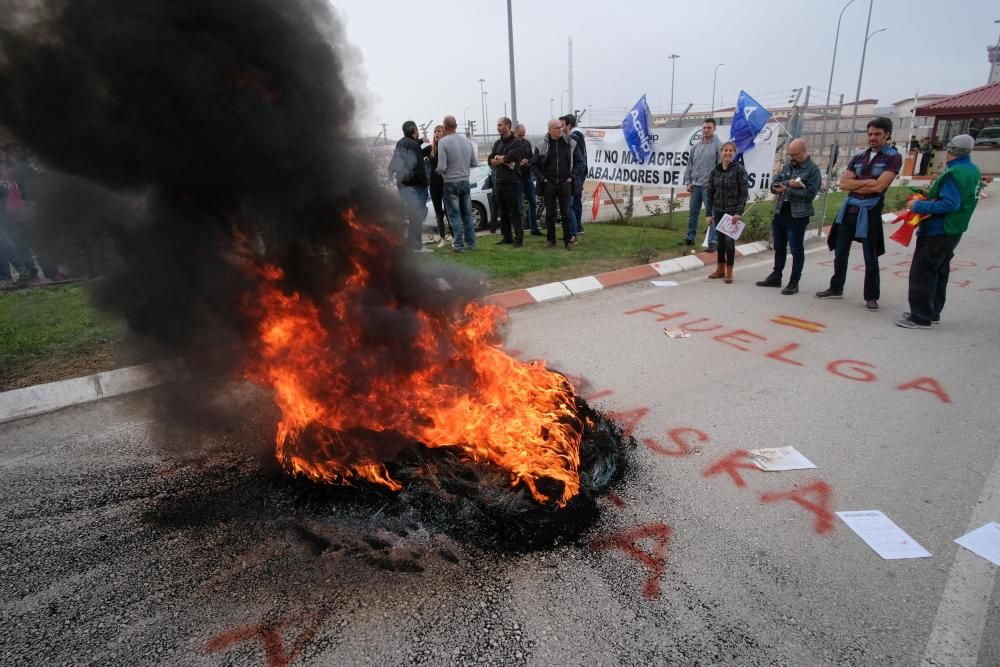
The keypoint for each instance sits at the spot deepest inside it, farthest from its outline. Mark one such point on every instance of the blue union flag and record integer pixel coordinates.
(635, 126)
(748, 121)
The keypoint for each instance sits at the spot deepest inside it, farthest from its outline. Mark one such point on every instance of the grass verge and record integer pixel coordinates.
(53, 332)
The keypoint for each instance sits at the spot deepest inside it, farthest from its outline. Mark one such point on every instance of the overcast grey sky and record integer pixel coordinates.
(422, 60)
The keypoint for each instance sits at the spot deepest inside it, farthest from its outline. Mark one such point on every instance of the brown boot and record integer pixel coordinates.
(720, 271)
(729, 273)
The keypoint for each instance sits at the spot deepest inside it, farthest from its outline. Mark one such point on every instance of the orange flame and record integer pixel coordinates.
(453, 387)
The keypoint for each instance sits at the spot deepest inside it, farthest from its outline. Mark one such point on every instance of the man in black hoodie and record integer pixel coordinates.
(408, 169)
(579, 169)
(505, 158)
(553, 166)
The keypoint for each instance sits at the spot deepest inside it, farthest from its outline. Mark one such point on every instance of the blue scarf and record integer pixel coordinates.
(861, 228)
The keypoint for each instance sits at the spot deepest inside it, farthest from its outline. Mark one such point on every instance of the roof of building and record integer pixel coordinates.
(978, 101)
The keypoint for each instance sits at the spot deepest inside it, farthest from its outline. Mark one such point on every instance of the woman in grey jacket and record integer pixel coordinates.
(727, 190)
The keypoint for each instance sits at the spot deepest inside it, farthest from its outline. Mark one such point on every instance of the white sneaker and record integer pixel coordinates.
(442, 243)
(424, 250)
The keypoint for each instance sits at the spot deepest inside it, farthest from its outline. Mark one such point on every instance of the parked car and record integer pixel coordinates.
(481, 191)
(988, 136)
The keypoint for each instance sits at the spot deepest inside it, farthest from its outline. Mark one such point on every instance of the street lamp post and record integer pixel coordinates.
(510, 48)
(829, 85)
(673, 62)
(713, 86)
(465, 118)
(561, 100)
(861, 71)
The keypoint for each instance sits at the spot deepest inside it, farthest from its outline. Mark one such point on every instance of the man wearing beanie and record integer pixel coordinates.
(950, 202)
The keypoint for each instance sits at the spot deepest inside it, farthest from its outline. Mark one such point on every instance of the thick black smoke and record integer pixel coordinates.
(180, 138)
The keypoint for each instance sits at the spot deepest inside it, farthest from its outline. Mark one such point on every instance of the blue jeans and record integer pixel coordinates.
(698, 197)
(458, 206)
(789, 232)
(415, 208)
(842, 253)
(576, 205)
(526, 188)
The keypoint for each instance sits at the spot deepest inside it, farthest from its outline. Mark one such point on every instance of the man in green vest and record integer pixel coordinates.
(950, 202)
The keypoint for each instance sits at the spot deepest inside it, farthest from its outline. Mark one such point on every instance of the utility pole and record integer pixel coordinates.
(510, 49)
(482, 101)
(570, 70)
(673, 62)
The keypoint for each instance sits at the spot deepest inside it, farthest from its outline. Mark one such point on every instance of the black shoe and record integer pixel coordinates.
(773, 280)
(504, 242)
(536, 232)
(791, 288)
(909, 316)
(712, 248)
(829, 294)
(907, 323)
(517, 243)
(871, 304)
(550, 244)
(685, 242)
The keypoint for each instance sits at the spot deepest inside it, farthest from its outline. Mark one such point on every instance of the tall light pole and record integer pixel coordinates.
(829, 85)
(673, 61)
(482, 101)
(713, 86)
(861, 71)
(510, 50)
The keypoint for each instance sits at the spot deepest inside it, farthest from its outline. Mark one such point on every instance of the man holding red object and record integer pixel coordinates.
(949, 205)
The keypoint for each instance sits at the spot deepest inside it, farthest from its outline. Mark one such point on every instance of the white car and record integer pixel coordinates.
(481, 191)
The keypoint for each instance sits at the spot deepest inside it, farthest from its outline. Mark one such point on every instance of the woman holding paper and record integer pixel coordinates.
(727, 190)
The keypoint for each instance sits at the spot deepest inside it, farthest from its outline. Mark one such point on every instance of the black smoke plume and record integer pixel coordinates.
(178, 137)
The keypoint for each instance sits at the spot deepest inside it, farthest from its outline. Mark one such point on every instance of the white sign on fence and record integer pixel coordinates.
(609, 159)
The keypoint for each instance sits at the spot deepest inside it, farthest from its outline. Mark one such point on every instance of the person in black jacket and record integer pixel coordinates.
(407, 167)
(579, 169)
(505, 158)
(728, 192)
(526, 190)
(437, 185)
(553, 166)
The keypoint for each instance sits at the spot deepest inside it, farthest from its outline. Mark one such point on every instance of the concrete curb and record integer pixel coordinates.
(43, 398)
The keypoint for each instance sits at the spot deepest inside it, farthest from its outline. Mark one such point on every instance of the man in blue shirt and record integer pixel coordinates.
(867, 177)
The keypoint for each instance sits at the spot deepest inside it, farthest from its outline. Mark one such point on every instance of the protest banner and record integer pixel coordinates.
(609, 158)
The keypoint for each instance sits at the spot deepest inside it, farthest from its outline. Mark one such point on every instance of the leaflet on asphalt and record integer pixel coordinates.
(983, 541)
(774, 459)
(884, 537)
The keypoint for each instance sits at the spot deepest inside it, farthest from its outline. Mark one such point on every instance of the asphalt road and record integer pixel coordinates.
(117, 549)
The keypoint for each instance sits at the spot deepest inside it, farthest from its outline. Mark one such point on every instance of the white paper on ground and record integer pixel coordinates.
(676, 333)
(664, 283)
(774, 459)
(983, 541)
(884, 537)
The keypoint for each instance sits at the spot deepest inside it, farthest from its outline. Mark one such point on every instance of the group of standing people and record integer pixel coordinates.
(555, 171)
(15, 249)
(950, 202)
